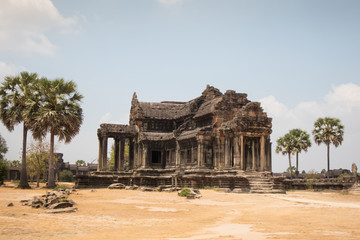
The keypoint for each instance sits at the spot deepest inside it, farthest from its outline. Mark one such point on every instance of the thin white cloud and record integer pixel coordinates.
(24, 25)
(342, 102)
(9, 69)
(109, 118)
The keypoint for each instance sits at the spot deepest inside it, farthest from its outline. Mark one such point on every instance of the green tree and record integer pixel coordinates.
(37, 157)
(14, 93)
(80, 163)
(301, 143)
(291, 171)
(328, 130)
(285, 145)
(59, 114)
(3, 164)
(14, 163)
(66, 176)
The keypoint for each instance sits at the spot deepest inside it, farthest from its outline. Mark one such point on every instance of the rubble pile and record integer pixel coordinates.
(55, 201)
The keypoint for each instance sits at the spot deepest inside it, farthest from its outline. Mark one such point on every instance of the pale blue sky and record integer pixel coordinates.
(301, 59)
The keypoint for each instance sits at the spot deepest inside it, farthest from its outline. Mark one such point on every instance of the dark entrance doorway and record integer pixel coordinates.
(156, 157)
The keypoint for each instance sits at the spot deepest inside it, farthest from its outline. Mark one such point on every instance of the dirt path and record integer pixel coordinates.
(122, 214)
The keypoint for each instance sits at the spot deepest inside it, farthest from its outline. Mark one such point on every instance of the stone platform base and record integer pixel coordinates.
(229, 180)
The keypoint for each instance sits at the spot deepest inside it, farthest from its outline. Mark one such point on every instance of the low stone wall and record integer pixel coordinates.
(319, 184)
(235, 181)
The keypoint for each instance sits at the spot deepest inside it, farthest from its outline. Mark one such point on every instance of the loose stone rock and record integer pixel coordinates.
(10, 204)
(117, 186)
(62, 210)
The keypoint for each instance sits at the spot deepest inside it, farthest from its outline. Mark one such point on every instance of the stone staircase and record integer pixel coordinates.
(264, 183)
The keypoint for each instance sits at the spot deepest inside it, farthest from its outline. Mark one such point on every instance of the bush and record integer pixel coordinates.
(185, 192)
(3, 170)
(66, 176)
(312, 174)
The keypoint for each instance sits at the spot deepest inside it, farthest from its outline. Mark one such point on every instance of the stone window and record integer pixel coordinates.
(156, 157)
(188, 156)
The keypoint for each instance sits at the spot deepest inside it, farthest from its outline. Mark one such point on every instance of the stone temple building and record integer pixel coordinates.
(217, 140)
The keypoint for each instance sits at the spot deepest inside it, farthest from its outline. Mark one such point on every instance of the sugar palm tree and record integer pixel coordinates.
(301, 143)
(328, 130)
(14, 93)
(286, 145)
(60, 115)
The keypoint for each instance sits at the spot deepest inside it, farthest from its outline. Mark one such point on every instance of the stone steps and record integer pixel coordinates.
(262, 184)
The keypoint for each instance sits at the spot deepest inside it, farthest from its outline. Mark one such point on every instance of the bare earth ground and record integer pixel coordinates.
(128, 214)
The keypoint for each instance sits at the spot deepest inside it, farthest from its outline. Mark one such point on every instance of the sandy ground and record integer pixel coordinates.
(127, 214)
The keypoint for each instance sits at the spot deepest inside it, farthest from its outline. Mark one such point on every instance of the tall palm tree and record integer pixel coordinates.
(285, 145)
(60, 115)
(14, 93)
(301, 142)
(328, 130)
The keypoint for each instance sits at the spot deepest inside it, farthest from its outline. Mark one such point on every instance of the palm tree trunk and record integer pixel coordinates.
(290, 165)
(23, 176)
(51, 180)
(328, 160)
(297, 165)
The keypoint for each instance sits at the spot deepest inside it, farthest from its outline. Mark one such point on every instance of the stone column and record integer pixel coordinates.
(121, 154)
(242, 152)
(135, 154)
(177, 155)
(116, 155)
(237, 150)
(217, 152)
(99, 168)
(227, 152)
(200, 153)
(104, 153)
(253, 154)
(144, 155)
(139, 154)
(262, 153)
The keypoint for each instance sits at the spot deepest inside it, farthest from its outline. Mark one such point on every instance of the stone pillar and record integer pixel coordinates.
(104, 153)
(237, 156)
(253, 154)
(177, 155)
(122, 154)
(135, 154)
(139, 154)
(131, 154)
(217, 152)
(222, 153)
(262, 153)
(242, 153)
(227, 152)
(200, 153)
(116, 155)
(99, 168)
(145, 155)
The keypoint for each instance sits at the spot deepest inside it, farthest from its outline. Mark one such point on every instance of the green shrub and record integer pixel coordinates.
(312, 174)
(3, 170)
(309, 183)
(345, 175)
(66, 176)
(185, 192)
